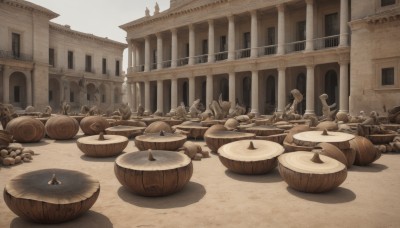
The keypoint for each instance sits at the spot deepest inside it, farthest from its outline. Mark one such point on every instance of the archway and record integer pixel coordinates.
(246, 92)
(224, 88)
(103, 94)
(271, 100)
(331, 86)
(54, 93)
(18, 96)
(301, 86)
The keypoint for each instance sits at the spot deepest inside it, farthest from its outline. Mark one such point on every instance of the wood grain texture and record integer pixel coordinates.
(333, 152)
(215, 140)
(127, 131)
(88, 121)
(111, 146)
(169, 141)
(61, 127)
(365, 152)
(158, 126)
(26, 129)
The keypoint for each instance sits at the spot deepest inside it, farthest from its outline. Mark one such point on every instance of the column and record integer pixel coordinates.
(254, 91)
(310, 94)
(209, 90)
(129, 93)
(129, 55)
(29, 89)
(211, 43)
(134, 97)
(231, 38)
(192, 90)
(174, 47)
(174, 94)
(254, 34)
(192, 44)
(147, 97)
(134, 53)
(232, 89)
(344, 87)
(159, 51)
(310, 26)
(147, 54)
(281, 29)
(160, 96)
(344, 18)
(6, 86)
(281, 89)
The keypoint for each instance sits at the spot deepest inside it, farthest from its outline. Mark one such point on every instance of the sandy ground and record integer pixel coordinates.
(215, 197)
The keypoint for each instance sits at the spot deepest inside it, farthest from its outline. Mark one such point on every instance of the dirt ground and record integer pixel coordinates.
(215, 197)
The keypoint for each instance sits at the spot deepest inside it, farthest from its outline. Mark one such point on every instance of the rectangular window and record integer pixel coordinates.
(117, 68)
(246, 40)
(271, 36)
(388, 76)
(16, 94)
(301, 35)
(70, 60)
(387, 2)
(204, 46)
(222, 43)
(332, 29)
(104, 66)
(88, 63)
(51, 57)
(16, 45)
(50, 95)
(71, 97)
(187, 50)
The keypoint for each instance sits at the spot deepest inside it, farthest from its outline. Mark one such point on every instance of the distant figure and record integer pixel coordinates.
(147, 12)
(156, 9)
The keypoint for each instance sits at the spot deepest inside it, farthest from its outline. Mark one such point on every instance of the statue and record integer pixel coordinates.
(147, 12)
(65, 107)
(327, 114)
(216, 109)
(394, 115)
(140, 111)
(47, 112)
(225, 106)
(6, 114)
(93, 111)
(194, 109)
(298, 98)
(29, 109)
(125, 111)
(180, 113)
(84, 110)
(237, 111)
(156, 9)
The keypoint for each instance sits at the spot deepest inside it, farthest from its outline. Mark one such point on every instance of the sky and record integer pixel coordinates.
(101, 17)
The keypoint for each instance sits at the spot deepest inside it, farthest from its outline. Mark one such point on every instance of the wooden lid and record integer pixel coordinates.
(125, 128)
(243, 150)
(153, 160)
(229, 134)
(319, 136)
(108, 139)
(302, 162)
(68, 186)
(160, 137)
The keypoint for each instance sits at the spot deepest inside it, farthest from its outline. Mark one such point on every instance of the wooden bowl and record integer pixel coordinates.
(26, 129)
(102, 145)
(312, 138)
(328, 125)
(217, 139)
(61, 127)
(158, 126)
(196, 130)
(378, 139)
(160, 141)
(278, 138)
(127, 131)
(365, 151)
(264, 130)
(155, 173)
(311, 172)
(93, 125)
(251, 157)
(38, 197)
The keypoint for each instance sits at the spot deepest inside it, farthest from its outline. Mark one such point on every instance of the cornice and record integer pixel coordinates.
(68, 31)
(30, 7)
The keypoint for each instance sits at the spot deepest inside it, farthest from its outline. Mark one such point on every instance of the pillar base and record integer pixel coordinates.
(309, 113)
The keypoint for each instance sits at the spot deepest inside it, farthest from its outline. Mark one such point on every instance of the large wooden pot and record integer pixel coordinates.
(312, 138)
(102, 145)
(365, 151)
(39, 197)
(264, 130)
(195, 129)
(155, 173)
(61, 127)
(158, 126)
(26, 129)
(127, 131)
(334, 152)
(215, 140)
(160, 141)
(311, 172)
(251, 157)
(93, 125)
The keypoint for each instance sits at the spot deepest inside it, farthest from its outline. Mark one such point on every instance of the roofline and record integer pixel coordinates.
(31, 7)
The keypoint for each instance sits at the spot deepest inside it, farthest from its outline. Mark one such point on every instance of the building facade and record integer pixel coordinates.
(43, 63)
(255, 52)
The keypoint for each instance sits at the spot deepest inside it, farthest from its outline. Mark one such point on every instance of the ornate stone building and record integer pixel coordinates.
(256, 51)
(43, 63)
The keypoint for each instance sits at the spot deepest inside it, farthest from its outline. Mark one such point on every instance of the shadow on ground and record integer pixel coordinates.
(271, 177)
(337, 195)
(88, 219)
(190, 194)
(372, 168)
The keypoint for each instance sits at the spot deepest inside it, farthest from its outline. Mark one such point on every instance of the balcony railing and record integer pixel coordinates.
(154, 66)
(138, 68)
(326, 42)
(183, 61)
(166, 64)
(201, 59)
(17, 56)
(267, 50)
(221, 56)
(295, 46)
(243, 53)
